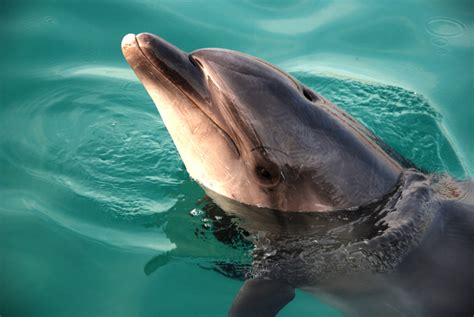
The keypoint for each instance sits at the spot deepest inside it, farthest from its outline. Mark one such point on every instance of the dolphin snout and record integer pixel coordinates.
(160, 64)
(152, 49)
(131, 50)
(128, 40)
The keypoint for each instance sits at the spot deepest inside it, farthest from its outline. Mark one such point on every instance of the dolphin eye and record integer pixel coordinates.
(309, 95)
(268, 174)
(264, 173)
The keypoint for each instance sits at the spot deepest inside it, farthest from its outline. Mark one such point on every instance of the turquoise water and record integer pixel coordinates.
(98, 216)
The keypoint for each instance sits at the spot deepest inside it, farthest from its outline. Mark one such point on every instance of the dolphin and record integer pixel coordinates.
(248, 131)
(266, 147)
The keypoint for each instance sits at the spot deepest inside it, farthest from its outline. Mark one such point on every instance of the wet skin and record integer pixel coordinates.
(250, 132)
(281, 156)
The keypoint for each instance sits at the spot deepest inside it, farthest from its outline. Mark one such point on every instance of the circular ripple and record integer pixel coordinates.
(442, 50)
(445, 27)
(440, 42)
(50, 19)
(103, 145)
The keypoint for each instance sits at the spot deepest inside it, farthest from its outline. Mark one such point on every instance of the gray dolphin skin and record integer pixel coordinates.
(330, 209)
(248, 131)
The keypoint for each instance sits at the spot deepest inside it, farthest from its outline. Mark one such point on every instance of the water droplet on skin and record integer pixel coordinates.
(268, 254)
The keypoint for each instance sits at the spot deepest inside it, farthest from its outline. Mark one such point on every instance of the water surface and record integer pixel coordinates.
(93, 193)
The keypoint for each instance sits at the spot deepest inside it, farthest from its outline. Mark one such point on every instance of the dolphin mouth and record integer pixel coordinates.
(139, 54)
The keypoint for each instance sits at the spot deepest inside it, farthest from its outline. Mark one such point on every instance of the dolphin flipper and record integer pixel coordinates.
(261, 297)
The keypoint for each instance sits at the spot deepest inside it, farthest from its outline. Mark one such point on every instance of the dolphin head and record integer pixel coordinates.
(248, 131)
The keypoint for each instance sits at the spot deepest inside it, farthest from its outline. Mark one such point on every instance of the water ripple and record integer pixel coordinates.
(102, 142)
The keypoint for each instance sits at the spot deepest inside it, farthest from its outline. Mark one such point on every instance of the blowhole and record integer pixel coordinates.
(195, 62)
(309, 95)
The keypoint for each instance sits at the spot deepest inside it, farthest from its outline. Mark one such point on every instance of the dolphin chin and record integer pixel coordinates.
(250, 132)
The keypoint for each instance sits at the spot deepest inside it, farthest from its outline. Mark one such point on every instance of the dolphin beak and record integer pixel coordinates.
(131, 49)
(159, 52)
(152, 56)
(128, 41)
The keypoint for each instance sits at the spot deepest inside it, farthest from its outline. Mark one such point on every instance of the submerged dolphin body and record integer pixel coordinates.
(279, 155)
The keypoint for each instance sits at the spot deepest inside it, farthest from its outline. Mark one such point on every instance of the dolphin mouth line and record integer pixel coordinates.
(163, 77)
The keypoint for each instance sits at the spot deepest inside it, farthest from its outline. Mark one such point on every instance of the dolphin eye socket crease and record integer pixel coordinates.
(350, 218)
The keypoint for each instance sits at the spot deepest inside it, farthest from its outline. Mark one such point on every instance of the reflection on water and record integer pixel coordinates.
(322, 16)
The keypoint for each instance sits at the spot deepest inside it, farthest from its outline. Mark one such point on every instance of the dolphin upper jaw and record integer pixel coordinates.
(150, 56)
